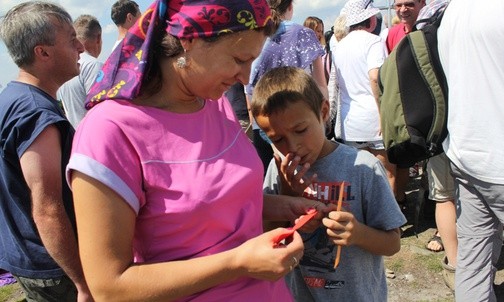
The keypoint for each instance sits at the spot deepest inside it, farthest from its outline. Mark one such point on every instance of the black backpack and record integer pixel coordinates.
(413, 97)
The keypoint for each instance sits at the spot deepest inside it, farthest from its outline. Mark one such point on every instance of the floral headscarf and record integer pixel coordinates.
(122, 73)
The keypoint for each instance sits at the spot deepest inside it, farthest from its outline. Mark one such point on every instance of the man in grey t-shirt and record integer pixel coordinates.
(73, 93)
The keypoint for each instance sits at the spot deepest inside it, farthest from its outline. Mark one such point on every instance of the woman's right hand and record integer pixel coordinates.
(262, 259)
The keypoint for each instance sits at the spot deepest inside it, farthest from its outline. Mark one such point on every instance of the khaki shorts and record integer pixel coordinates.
(373, 145)
(441, 184)
(48, 290)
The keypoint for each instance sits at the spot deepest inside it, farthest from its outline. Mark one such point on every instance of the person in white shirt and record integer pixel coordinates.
(472, 57)
(357, 58)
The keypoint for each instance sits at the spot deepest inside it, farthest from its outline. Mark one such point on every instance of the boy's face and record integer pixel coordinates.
(297, 130)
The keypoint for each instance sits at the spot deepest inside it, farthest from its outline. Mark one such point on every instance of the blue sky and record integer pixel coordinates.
(327, 10)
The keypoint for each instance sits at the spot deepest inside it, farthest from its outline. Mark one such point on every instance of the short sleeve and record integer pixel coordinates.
(309, 47)
(90, 73)
(382, 211)
(29, 125)
(376, 54)
(101, 150)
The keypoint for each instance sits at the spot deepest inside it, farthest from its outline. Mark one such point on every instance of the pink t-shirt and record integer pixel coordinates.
(194, 181)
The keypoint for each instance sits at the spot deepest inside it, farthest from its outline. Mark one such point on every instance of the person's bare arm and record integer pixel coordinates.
(373, 80)
(333, 89)
(41, 167)
(248, 99)
(106, 225)
(319, 76)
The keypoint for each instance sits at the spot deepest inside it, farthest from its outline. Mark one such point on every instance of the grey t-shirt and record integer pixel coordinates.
(73, 92)
(360, 275)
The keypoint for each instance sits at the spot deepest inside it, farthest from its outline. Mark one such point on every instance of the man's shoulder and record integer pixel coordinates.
(21, 101)
(87, 58)
(396, 29)
(395, 34)
(87, 61)
(17, 92)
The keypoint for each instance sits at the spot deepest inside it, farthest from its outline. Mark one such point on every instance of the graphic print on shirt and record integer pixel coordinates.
(320, 252)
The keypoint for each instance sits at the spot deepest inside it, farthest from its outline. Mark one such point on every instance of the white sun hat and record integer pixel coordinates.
(357, 11)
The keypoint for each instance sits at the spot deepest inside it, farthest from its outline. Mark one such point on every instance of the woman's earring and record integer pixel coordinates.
(181, 61)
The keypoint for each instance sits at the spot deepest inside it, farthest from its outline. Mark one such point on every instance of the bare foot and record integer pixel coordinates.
(435, 243)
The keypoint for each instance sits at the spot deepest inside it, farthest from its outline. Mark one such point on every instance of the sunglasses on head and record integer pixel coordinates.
(409, 4)
(368, 3)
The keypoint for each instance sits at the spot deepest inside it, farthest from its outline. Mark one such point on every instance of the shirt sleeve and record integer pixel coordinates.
(90, 73)
(381, 210)
(376, 54)
(29, 126)
(309, 47)
(104, 152)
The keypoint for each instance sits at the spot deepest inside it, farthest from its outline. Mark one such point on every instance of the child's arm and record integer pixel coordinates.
(292, 183)
(343, 229)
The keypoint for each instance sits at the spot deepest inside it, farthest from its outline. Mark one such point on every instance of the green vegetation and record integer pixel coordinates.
(11, 293)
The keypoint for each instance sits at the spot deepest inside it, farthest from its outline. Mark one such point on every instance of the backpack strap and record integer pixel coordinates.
(422, 54)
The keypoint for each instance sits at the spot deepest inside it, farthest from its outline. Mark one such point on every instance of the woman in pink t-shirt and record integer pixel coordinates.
(167, 187)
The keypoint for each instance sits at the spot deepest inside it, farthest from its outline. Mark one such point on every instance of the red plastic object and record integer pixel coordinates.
(290, 231)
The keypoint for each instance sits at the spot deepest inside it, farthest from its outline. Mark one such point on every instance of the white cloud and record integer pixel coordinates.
(109, 28)
(304, 5)
(5, 5)
(97, 8)
(9, 69)
(74, 7)
(325, 10)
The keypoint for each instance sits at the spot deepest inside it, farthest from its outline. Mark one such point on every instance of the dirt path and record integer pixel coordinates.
(417, 270)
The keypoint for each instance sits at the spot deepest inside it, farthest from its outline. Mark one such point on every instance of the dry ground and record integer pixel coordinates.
(417, 270)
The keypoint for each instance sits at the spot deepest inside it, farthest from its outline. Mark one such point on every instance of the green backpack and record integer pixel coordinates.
(413, 97)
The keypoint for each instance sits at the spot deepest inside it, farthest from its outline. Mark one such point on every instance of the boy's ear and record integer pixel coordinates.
(325, 111)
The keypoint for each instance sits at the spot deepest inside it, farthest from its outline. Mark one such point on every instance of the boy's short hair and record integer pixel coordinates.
(87, 27)
(282, 86)
(121, 9)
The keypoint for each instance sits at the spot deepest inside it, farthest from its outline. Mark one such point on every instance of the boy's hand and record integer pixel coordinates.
(293, 183)
(342, 228)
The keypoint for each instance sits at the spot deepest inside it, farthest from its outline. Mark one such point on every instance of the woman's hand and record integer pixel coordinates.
(315, 222)
(293, 183)
(262, 259)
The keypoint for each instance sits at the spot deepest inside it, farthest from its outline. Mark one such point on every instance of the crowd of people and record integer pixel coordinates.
(163, 175)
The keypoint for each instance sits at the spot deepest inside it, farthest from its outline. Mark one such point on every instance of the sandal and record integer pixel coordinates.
(435, 238)
(448, 274)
